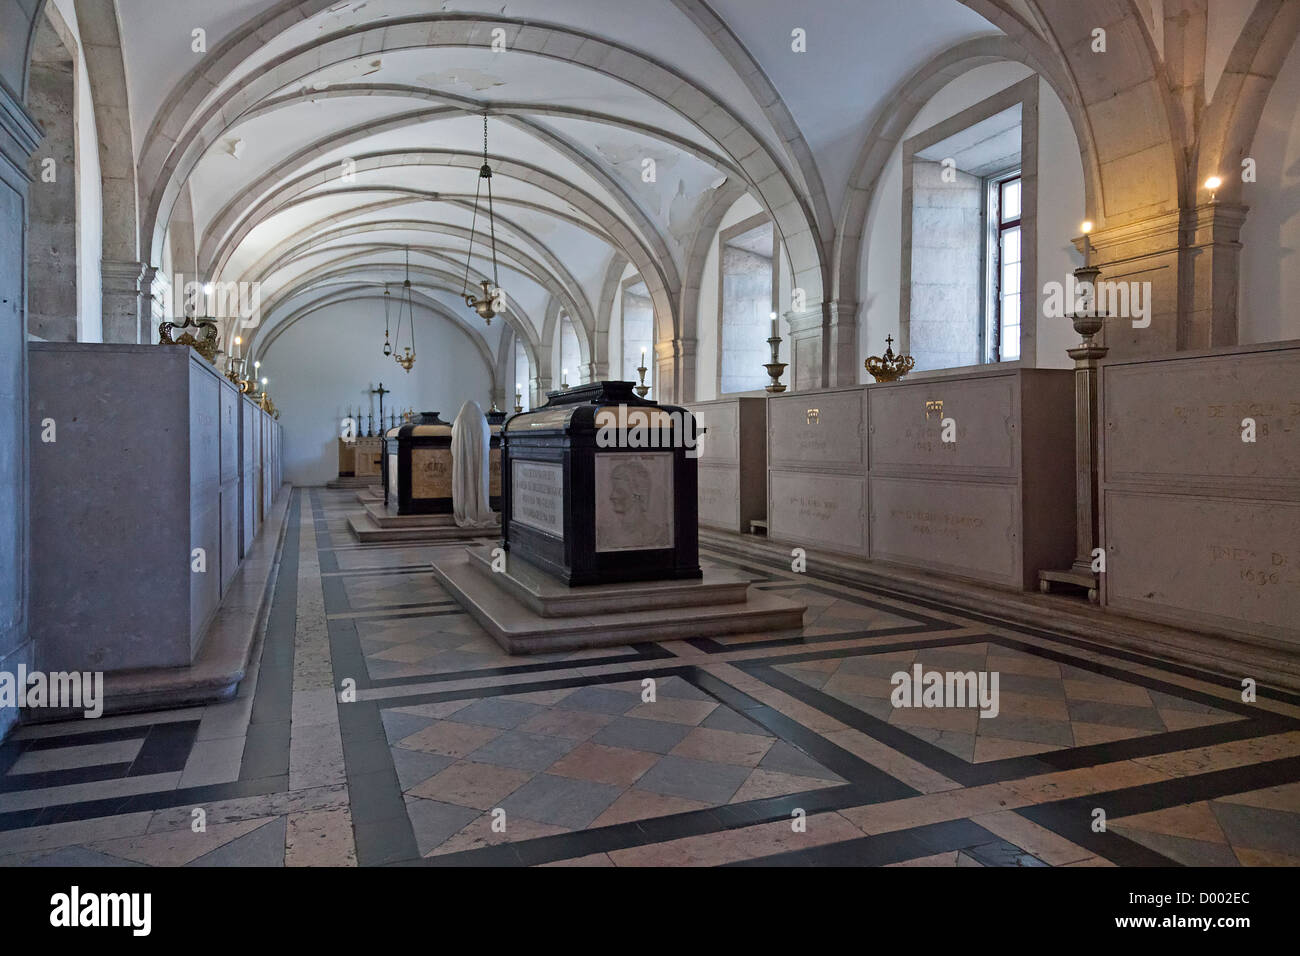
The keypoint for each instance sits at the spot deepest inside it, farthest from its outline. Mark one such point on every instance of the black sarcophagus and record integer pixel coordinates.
(417, 467)
(599, 486)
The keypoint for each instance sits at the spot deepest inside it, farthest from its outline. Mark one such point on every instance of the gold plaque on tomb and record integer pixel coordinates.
(430, 472)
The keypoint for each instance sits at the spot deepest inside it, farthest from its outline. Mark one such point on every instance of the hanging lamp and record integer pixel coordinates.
(407, 358)
(487, 306)
(388, 348)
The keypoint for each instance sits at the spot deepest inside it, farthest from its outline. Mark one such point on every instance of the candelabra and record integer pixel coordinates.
(775, 367)
(643, 388)
(1087, 322)
(519, 402)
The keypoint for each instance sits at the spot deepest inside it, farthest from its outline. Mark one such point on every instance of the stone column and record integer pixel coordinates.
(842, 346)
(1086, 355)
(1211, 270)
(666, 368)
(52, 274)
(124, 318)
(804, 351)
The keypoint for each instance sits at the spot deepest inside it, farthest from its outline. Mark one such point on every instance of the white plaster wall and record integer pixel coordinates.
(90, 207)
(1268, 307)
(327, 363)
(1060, 209)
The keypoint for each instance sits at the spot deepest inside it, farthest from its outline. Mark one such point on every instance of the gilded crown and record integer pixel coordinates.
(889, 367)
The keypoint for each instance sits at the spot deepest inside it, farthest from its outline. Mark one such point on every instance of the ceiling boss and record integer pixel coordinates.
(492, 301)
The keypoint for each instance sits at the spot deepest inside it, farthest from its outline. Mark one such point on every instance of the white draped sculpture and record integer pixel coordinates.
(470, 443)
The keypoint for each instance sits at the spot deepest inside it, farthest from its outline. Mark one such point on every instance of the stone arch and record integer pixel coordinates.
(169, 159)
(240, 214)
(52, 211)
(887, 131)
(1232, 117)
(126, 280)
(624, 237)
(704, 228)
(318, 239)
(433, 278)
(347, 294)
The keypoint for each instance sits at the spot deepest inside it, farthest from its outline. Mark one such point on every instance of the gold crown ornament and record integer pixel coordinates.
(889, 367)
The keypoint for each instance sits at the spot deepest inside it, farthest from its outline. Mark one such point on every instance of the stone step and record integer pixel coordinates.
(368, 532)
(547, 596)
(365, 481)
(521, 630)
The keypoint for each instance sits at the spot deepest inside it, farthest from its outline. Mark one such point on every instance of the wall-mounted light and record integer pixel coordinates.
(1213, 184)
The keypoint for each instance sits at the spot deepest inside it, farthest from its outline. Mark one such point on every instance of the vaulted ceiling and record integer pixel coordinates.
(319, 141)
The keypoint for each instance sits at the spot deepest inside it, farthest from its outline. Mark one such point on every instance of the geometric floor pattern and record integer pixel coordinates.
(568, 759)
(1042, 705)
(379, 725)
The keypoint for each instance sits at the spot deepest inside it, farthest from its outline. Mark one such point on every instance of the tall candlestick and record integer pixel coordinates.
(1087, 244)
(775, 332)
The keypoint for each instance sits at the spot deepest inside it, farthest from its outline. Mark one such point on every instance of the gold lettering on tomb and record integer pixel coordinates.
(814, 416)
(934, 409)
(430, 472)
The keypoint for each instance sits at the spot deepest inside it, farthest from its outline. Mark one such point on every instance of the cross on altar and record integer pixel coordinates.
(381, 392)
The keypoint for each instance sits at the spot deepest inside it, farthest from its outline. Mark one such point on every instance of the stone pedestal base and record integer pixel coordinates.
(1079, 577)
(352, 481)
(527, 611)
(370, 496)
(378, 525)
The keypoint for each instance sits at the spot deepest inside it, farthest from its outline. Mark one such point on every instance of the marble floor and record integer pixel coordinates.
(760, 749)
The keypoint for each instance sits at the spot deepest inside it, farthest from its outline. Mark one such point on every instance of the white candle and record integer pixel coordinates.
(564, 376)
(772, 316)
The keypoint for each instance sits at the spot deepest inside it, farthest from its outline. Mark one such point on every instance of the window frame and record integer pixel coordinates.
(993, 325)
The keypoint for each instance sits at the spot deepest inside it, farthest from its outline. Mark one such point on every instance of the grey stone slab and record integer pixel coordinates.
(414, 766)
(700, 780)
(561, 801)
(1182, 850)
(724, 718)
(1036, 730)
(398, 726)
(783, 758)
(1113, 715)
(875, 706)
(261, 847)
(602, 700)
(1033, 686)
(1260, 828)
(78, 856)
(434, 823)
(635, 733)
(496, 712)
(523, 751)
(680, 689)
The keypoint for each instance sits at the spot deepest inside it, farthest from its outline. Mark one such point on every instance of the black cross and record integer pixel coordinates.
(381, 392)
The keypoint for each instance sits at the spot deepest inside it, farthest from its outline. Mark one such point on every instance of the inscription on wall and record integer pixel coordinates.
(537, 496)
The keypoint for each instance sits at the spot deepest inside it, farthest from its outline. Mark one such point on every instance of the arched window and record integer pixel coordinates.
(523, 374)
(746, 303)
(569, 354)
(637, 331)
